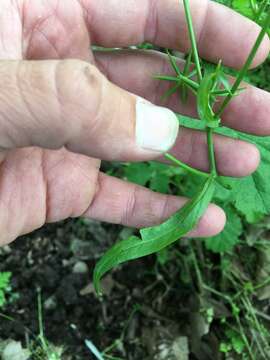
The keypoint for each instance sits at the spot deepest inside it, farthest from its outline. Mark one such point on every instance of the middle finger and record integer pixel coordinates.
(134, 71)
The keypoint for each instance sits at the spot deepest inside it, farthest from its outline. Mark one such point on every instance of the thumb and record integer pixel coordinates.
(69, 103)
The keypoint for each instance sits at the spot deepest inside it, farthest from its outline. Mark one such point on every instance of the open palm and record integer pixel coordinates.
(47, 134)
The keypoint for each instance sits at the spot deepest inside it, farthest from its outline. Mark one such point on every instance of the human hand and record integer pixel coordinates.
(58, 117)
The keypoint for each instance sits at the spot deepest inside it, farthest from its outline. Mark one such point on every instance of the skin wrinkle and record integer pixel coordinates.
(5, 204)
(97, 86)
(7, 122)
(58, 73)
(89, 13)
(97, 191)
(25, 103)
(130, 207)
(9, 138)
(160, 83)
(10, 17)
(78, 211)
(38, 31)
(151, 22)
(58, 16)
(56, 22)
(202, 27)
(104, 67)
(17, 194)
(114, 201)
(46, 194)
(164, 209)
(53, 183)
(90, 17)
(37, 24)
(192, 147)
(21, 10)
(56, 86)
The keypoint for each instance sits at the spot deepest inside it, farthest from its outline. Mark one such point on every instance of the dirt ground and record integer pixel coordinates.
(146, 312)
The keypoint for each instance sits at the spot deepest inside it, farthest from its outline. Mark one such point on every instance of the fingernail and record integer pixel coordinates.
(156, 127)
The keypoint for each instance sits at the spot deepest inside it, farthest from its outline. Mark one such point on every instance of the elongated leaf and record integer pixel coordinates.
(186, 72)
(173, 63)
(170, 92)
(184, 220)
(225, 82)
(205, 111)
(166, 77)
(157, 238)
(250, 195)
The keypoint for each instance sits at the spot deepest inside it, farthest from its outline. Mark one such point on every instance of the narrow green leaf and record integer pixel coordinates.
(167, 78)
(192, 74)
(225, 82)
(170, 92)
(173, 63)
(188, 74)
(183, 221)
(157, 238)
(224, 92)
(179, 80)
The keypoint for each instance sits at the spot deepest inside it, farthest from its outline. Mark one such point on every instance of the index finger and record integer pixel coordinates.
(221, 33)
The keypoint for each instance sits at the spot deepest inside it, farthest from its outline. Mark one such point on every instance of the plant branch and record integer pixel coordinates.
(211, 151)
(246, 67)
(186, 167)
(193, 39)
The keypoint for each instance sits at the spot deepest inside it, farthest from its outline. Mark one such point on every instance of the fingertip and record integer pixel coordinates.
(262, 52)
(211, 224)
(245, 161)
(253, 159)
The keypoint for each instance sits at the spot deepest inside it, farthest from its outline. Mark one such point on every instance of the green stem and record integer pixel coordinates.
(193, 39)
(210, 141)
(197, 269)
(236, 317)
(254, 7)
(265, 283)
(40, 319)
(246, 67)
(185, 166)
(249, 307)
(211, 151)
(181, 78)
(261, 10)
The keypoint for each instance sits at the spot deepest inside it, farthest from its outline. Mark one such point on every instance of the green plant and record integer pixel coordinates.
(211, 84)
(4, 287)
(41, 348)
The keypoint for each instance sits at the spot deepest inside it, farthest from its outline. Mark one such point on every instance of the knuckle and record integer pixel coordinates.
(164, 209)
(13, 105)
(77, 80)
(80, 92)
(129, 211)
